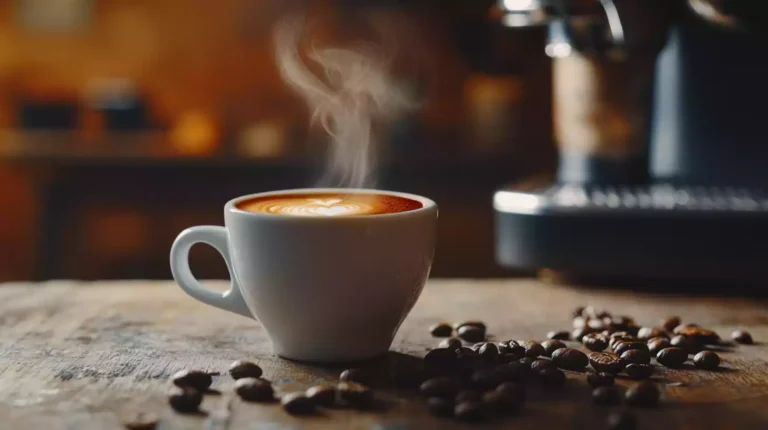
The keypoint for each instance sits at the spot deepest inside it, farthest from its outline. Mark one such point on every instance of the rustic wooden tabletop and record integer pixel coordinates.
(86, 355)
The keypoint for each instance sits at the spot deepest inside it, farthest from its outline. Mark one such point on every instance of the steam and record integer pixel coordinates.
(355, 91)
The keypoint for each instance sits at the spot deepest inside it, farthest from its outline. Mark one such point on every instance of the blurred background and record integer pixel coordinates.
(125, 121)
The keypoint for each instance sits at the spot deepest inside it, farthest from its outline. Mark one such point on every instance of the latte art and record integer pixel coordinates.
(329, 205)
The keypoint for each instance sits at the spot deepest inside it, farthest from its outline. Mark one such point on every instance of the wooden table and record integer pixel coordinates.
(82, 356)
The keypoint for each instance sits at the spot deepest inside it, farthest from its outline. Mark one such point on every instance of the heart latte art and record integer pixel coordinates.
(329, 205)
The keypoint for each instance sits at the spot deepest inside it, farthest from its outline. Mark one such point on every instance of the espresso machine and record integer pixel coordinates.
(659, 109)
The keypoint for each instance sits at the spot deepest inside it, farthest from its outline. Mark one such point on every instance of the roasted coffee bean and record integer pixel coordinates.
(552, 377)
(244, 369)
(541, 364)
(579, 333)
(579, 311)
(670, 323)
(607, 395)
(513, 389)
(741, 336)
(466, 351)
(514, 371)
(633, 330)
(596, 324)
(706, 360)
(569, 358)
(689, 344)
(489, 351)
(471, 333)
(297, 404)
(533, 349)
(527, 361)
(672, 357)
(594, 342)
(684, 326)
(550, 345)
(503, 348)
(452, 343)
(646, 333)
(141, 421)
(639, 371)
(622, 323)
(470, 411)
(469, 396)
(606, 362)
(636, 356)
(559, 335)
(479, 324)
(622, 420)
(600, 380)
(657, 344)
(440, 407)
(444, 386)
(440, 357)
(621, 347)
(322, 395)
(486, 379)
(254, 390)
(643, 394)
(354, 394)
(580, 322)
(515, 348)
(500, 403)
(185, 400)
(701, 335)
(441, 330)
(507, 358)
(364, 376)
(196, 379)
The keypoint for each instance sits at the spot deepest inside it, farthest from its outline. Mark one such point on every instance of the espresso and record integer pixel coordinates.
(329, 204)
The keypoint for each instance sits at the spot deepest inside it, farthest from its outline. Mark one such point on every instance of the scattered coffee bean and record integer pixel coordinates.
(513, 389)
(621, 347)
(439, 357)
(600, 379)
(514, 371)
(579, 311)
(606, 362)
(670, 323)
(672, 357)
(580, 322)
(657, 344)
(569, 358)
(141, 421)
(451, 343)
(297, 404)
(244, 369)
(646, 333)
(440, 407)
(622, 420)
(503, 348)
(516, 349)
(607, 395)
(444, 386)
(533, 349)
(527, 361)
(254, 390)
(501, 403)
(479, 324)
(579, 333)
(622, 323)
(620, 336)
(689, 344)
(470, 411)
(596, 324)
(550, 345)
(633, 330)
(706, 360)
(354, 394)
(185, 400)
(594, 342)
(559, 335)
(322, 395)
(196, 379)
(471, 333)
(643, 394)
(507, 358)
(742, 337)
(552, 377)
(702, 335)
(639, 371)
(469, 396)
(363, 376)
(486, 379)
(541, 364)
(441, 330)
(637, 356)
(489, 351)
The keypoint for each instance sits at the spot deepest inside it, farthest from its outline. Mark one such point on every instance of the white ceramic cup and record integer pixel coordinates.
(325, 289)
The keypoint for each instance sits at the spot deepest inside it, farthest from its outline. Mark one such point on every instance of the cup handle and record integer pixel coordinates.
(217, 237)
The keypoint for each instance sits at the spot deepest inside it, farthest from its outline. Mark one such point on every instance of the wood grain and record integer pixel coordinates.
(85, 355)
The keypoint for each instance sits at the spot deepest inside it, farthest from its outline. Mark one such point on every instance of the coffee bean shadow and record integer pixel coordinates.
(718, 348)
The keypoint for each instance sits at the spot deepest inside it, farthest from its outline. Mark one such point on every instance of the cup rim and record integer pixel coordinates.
(427, 204)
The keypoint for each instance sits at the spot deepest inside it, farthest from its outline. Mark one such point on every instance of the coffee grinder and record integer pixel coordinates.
(658, 110)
